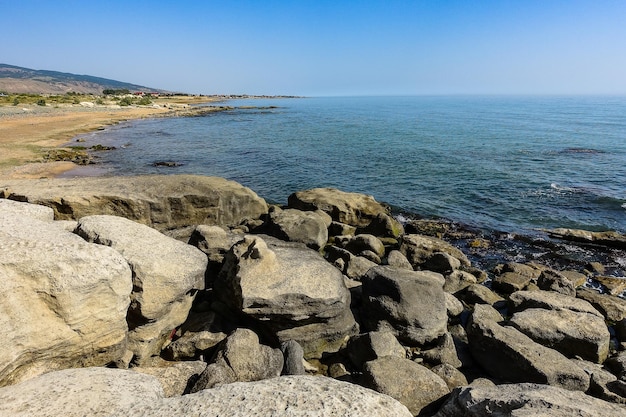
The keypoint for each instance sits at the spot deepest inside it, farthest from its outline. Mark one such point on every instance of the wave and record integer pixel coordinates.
(582, 150)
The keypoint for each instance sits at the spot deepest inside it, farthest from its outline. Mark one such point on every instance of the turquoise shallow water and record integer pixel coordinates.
(506, 163)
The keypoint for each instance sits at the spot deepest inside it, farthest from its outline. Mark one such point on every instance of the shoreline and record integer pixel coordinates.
(28, 131)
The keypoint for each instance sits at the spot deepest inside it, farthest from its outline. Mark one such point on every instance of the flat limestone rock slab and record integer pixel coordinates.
(102, 392)
(161, 201)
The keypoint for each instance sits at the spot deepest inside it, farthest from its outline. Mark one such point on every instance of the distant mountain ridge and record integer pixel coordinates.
(15, 79)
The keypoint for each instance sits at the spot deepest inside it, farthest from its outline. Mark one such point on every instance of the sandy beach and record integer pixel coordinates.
(27, 132)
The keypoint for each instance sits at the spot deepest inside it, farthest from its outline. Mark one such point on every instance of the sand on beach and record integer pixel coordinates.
(26, 132)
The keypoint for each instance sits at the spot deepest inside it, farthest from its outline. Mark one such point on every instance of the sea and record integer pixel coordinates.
(518, 164)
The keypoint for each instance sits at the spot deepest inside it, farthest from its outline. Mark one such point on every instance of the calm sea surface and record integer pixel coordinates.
(507, 163)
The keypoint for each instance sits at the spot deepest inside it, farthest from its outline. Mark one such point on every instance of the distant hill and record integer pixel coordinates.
(25, 80)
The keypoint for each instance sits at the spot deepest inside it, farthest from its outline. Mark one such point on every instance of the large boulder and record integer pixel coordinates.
(549, 300)
(350, 208)
(63, 301)
(101, 392)
(161, 201)
(511, 356)
(293, 225)
(34, 211)
(290, 290)
(525, 400)
(241, 358)
(419, 249)
(612, 307)
(412, 384)
(411, 304)
(571, 333)
(166, 275)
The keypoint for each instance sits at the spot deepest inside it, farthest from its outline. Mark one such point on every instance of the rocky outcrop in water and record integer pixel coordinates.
(405, 314)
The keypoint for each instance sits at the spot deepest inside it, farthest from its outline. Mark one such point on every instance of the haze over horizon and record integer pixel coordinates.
(328, 48)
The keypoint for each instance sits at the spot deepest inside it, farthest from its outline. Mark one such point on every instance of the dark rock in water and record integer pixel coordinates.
(99, 147)
(167, 164)
(608, 238)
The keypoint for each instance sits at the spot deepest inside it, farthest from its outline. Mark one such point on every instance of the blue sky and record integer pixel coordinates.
(320, 47)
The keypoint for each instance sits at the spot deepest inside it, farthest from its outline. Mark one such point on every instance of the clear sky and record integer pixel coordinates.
(319, 47)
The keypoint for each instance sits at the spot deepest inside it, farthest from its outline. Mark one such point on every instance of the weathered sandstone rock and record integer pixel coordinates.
(351, 208)
(549, 300)
(419, 248)
(383, 225)
(508, 354)
(571, 333)
(408, 382)
(373, 345)
(293, 225)
(243, 359)
(291, 290)
(524, 400)
(166, 275)
(411, 304)
(174, 377)
(609, 238)
(200, 332)
(101, 392)
(612, 307)
(161, 201)
(63, 301)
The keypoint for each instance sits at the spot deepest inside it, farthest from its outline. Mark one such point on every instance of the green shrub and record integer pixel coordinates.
(126, 101)
(41, 102)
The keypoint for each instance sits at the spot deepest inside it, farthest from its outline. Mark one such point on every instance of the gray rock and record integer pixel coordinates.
(161, 201)
(350, 208)
(291, 290)
(613, 308)
(363, 242)
(444, 352)
(550, 280)
(450, 375)
(419, 248)
(511, 356)
(215, 242)
(453, 306)
(510, 282)
(458, 280)
(479, 294)
(101, 392)
(409, 303)
(200, 332)
(341, 229)
(408, 382)
(373, 345)
(571, 333)
(166, 274)
(396, 259)
(294, 358)
(354, 267)
(383, 225)
(608, 238)
(549, 300)
(63, 301)
(524, 400)
(441, 262)
(248, 360)
(293, 225)
(531, 271)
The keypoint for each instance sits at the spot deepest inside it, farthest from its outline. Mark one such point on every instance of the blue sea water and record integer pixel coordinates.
(514, 164)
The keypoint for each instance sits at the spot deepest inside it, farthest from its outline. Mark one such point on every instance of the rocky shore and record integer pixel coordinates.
(190, 295)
